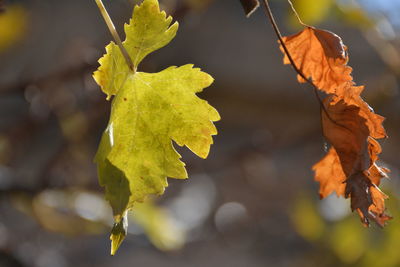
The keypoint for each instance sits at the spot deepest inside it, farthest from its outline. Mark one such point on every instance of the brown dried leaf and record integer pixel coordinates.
(347, 132)
(354, 155)
(377, 210)
(351, 96)
(358, 188)
(321, 56)
(330, 175)
(375, 172)
(366, 198)
(348, 122)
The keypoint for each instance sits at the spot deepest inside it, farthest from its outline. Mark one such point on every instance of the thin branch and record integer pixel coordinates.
(115, 34)
(296, 14)
(55, 77)
(268, 13)
(250, 6)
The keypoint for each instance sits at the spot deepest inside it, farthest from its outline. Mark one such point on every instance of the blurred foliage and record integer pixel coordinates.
(351, 244)
(158, 225)
(306, 219)
(348, 240)
(13, 23)
(68, 212)
(52, 119)
(353, 15)
(314, 13)
(311, 12)
(76, 213)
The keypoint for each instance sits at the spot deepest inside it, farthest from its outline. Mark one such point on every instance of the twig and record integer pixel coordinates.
(250, 6)
(57, 77)
(296, 14)
(268, 13)
(115, 34)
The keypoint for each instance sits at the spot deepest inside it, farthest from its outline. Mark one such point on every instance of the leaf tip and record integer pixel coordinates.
(174, 27)
(118, 233)
(210, 78)
(204, 153)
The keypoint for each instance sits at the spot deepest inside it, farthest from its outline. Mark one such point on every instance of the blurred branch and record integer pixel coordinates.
(17, 190)
(385, 49)
(60, 76)
(7, 259)
(249, 6)
(2, 6)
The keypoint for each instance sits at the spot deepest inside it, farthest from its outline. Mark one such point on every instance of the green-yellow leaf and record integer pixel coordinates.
(159, 226)
(311, 12)
(147, 31)
(118, 233)
(149, 111)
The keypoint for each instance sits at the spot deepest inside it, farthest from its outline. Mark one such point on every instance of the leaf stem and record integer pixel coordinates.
(115, 34)
(296, 14)
(268, 13)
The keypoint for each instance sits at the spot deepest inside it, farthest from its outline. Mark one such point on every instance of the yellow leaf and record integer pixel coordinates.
(149, 111)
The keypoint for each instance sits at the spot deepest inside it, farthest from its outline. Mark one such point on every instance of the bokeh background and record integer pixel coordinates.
(253, 202)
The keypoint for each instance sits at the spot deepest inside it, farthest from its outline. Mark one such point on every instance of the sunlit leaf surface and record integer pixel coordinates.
(149, 111)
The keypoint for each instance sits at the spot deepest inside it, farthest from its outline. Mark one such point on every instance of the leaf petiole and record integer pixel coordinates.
(268, 13)
(115, 34)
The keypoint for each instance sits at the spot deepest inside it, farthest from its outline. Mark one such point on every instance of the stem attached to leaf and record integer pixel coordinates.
(268, 13)
(296, 14)
(115, 34)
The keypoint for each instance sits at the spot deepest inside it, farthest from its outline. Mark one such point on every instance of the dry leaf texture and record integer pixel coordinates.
(349, 124)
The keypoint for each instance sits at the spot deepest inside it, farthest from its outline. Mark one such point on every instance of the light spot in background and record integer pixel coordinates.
(193, 205)
(91, 207)
(38, 107)
(159, 226)
(30, 92)
(71, 213)
(228, 215)
(334, 208)
(305, 218)
(53, 198)
(134, 228)
(391, 8)
(50, 258)
(385, 29)
(260, 171)
(349, 241)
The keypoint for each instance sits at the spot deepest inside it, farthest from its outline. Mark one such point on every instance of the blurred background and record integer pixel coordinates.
(253, 202)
